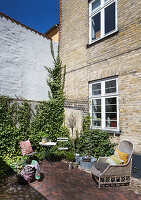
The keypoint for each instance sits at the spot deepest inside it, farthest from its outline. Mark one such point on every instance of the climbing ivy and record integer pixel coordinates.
(50, 114)
(14, 125)
(19, 122)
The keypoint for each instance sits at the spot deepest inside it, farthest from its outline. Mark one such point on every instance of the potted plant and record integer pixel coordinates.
(70, 157)
(86, 162)
(77, 158)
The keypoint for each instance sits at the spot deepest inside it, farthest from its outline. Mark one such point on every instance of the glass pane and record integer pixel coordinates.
(111, 124)
(96, 112)
(112, 101)
(96, 102)
(96, 89)
(96, 116)
(96, 123)
(110, 90)
(111, 108)
(96, 32)
(97, 108)
(109, 84)
(112, 116)
(110, 18)
(111, 112)
(96, 86)
(95, 4)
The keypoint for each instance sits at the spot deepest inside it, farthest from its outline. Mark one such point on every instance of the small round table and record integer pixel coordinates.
(47, 145)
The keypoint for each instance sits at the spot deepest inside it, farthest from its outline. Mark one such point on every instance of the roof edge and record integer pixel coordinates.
(27, 27)
(51, 29)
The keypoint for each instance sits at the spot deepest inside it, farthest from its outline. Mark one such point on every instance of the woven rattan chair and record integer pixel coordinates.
(114, 175)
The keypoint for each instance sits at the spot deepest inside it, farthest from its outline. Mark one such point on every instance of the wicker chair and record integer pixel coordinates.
(114, 175)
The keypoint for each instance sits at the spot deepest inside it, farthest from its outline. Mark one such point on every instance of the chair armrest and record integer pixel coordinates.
(117, 170)
(102, 159)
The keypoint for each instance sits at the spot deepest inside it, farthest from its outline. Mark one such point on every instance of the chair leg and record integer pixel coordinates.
(130, 182)
(99, 183)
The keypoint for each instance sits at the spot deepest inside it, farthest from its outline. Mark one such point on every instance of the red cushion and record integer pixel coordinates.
(26, 147)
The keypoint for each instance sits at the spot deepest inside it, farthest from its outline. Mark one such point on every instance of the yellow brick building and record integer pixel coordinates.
(100, 43)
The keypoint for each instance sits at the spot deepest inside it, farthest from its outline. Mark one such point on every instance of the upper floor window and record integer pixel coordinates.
(102, 18)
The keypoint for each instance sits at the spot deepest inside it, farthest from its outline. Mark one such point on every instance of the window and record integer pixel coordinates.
(104, 111)
(102, 18)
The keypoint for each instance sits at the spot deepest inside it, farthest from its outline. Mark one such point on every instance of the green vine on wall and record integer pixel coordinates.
(18, 121)
(50, 114)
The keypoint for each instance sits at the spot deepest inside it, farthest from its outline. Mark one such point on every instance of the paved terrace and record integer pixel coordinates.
(60, 183)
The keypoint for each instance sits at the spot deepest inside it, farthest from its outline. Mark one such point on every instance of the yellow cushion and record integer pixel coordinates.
(121, 155)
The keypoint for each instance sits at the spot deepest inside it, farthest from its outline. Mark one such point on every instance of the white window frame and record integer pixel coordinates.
(103, 96)
(101, 9)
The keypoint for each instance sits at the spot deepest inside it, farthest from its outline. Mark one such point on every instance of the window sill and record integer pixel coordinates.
(102, 39)
(112, 131)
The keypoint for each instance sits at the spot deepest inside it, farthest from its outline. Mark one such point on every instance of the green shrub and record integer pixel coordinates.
(94, 142)
(70, 157)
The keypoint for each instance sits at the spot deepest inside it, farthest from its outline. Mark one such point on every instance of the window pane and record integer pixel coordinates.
(96, 116)
(111, 112)
(96, 86)
(111, 124)
(111, 108)
(96, 112)
(95, 4)
(96, 123)
(97, 108)
(96, 102)
(96, 32)
(110, 18)
(109, 84)
(110, 90)
(96, 89)
(112, 101)
(112, 116)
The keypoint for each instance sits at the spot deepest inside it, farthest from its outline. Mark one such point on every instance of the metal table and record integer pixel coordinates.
(47, 145)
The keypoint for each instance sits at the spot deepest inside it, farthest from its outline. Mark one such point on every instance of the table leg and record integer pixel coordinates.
(47, 156)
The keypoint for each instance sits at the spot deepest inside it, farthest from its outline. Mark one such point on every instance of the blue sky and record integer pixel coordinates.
(37, 14)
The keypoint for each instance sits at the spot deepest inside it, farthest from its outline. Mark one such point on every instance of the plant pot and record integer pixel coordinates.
(86, 163)
(75, 165)
(77, 159)
(86, 160)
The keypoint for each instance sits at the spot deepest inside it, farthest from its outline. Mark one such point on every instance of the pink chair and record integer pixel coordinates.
(26, 149)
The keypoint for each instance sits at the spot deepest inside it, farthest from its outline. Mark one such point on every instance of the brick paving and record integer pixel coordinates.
(60, 183)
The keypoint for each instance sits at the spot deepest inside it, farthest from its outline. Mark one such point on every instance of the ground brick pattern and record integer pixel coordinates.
(60, 183)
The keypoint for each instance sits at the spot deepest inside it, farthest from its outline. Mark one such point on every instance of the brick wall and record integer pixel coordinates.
(23, 54)
(118, 54)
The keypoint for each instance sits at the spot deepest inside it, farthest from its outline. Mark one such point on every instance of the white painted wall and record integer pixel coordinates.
(23, 55)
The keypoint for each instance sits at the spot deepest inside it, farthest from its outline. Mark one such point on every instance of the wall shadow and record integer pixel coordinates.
(5, 170)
